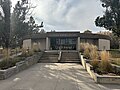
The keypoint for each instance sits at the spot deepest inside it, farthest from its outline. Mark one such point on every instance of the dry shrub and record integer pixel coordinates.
(82, 45)
(94, 57)
(86, 52)
(105, 65)
(24, 51)
(6, 53)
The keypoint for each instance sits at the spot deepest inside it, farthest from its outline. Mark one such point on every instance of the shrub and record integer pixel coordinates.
(27, 53)
(6, 53)
(86, 52)
(5, 64)
(105, 65)
(82, 45)
(94, 57)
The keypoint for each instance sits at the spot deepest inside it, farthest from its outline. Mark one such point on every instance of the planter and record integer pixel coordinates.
(20, 66)
(7, 73)
(100, 78)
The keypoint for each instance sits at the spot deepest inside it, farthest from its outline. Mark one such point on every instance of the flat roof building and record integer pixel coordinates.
(65, 40)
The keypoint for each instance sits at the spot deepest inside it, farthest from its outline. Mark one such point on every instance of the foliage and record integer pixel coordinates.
(82, 47)
(88, 50)
(94, 57)
(111, 18)
(6, 53)
(105, 65)
(19, 26)
(5, 24)
(32, 26)
(5, 64)
(26, 52)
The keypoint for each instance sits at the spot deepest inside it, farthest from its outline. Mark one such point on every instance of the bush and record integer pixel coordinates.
(89, 50)
(5, 64)
(94, 58)
(27, 53)
(82, 47)
(105, 65)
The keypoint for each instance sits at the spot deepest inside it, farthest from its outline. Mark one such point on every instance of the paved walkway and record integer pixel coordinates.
(54, 76)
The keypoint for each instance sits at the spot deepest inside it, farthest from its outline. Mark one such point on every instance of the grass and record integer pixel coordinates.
(105, 65)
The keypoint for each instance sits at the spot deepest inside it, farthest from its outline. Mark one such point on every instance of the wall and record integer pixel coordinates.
(41, 44)
(104, 44)
(27, 44)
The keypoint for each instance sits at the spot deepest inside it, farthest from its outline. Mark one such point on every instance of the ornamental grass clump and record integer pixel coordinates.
(82, 47)
(94, 57)
(105, 65)
(86, 52)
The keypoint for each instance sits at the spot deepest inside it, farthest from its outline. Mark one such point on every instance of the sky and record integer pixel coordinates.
(67, 15)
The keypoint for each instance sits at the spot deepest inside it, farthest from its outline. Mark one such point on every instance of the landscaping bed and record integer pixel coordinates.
(98, 65)
(104, 78)
(17, 64)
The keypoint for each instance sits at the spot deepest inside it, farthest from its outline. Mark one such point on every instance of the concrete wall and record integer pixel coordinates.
(104, 44)
(27, 44)
(41, 44)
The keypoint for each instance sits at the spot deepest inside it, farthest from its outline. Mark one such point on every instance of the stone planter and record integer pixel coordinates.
(20, 66)
(7, 73)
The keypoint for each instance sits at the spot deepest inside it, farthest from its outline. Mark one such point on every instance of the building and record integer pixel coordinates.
(65, 41)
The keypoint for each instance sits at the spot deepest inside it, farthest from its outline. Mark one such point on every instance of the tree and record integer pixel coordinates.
(19, 24)
(5, 23)
(33, 27)
(111, 18)
(5, 26)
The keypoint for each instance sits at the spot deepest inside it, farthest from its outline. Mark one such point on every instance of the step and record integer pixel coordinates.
(69, 61)
(48, 61)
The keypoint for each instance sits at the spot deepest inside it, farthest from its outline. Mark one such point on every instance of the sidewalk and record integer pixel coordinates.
(54, 76)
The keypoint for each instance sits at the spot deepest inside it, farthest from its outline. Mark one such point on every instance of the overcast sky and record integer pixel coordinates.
(67, 15)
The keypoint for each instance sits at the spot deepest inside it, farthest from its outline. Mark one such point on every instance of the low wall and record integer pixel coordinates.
(29, 61)
(100, 78)
(83, 61)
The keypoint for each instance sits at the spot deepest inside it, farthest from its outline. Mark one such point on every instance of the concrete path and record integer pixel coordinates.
(54, 76)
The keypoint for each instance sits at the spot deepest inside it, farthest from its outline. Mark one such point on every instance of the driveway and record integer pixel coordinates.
(54, 76)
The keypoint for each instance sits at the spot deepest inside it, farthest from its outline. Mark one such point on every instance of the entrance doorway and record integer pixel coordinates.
(66, 43)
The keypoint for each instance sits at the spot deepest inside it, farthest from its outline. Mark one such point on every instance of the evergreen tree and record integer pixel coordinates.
(111, 18)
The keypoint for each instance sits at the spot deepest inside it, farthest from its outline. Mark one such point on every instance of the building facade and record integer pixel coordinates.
(65, 41)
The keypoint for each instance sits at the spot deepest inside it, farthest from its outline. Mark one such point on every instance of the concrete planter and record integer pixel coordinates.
(100, 78)
(20, 66)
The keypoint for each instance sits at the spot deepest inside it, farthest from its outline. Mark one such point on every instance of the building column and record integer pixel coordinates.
(78, 44)
(47, 43)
